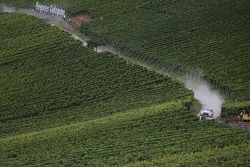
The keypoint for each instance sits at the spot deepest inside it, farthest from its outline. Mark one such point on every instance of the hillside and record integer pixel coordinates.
(48, 79)
(211, 37)
(64, 105)
(207, 36)
(164, 134)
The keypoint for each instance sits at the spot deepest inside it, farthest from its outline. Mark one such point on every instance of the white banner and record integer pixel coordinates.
(54, 10)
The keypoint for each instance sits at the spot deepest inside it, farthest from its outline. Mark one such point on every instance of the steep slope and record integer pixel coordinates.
(208, 36)
(48, 79)
(64, 105)
(138, 135)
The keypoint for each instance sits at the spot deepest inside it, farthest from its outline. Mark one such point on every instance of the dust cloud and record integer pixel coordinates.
(207, 96)
(7, 9)
(106, 48)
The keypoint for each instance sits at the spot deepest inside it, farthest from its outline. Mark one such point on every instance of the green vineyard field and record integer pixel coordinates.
(124, 138)
(48, 79)
(211, 37)
(64, 105)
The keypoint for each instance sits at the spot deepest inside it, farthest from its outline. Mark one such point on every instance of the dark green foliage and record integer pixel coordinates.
(209, 36)
(48, 79)
(63, 105)
(123, 138)
(230, 156)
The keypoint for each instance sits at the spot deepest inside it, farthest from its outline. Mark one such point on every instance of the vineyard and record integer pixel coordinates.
(124, 138)
(204, 36)
(209, 38)
(48, 79)
(64, 105)
(183, 36)
(212, 157)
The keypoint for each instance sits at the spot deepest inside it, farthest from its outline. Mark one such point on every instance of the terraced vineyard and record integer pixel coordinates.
(64, 105)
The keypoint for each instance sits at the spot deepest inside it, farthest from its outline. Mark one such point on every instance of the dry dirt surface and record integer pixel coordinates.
(77, 20)
(236, 123)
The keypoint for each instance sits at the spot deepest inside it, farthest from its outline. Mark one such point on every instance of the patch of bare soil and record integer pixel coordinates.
(236, 123)
(77, 20)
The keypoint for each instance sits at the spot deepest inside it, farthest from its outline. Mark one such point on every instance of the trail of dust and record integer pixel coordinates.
(202, 91)
(7, 9)
(53, 20)
(207, 96)
(107, 48)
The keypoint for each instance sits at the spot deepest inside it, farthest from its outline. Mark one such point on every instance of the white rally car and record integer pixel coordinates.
(207, 113)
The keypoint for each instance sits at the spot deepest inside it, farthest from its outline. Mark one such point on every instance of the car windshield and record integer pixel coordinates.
(207, 109)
